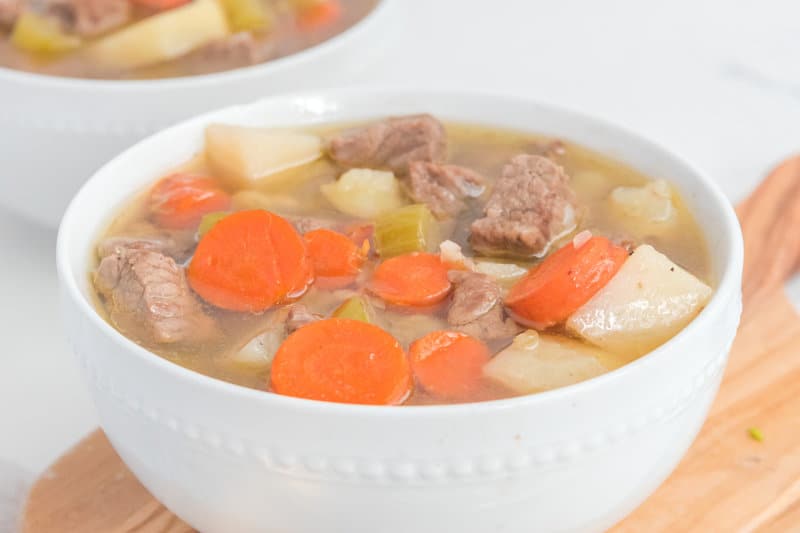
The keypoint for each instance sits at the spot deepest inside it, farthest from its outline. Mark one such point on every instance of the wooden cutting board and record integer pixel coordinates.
(727, 482)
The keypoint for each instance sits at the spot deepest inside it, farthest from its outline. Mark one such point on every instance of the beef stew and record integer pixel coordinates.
(402, 261)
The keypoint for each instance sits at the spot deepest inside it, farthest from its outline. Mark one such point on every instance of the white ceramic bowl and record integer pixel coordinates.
(58, 131)
(229, 459)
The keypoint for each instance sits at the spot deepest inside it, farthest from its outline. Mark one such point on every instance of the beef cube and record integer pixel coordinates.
(177, 244)
(531, 206)
(87, 18)
(477, 308)
(234, 51)
(442, 187)
(391, 144)
(148, 298)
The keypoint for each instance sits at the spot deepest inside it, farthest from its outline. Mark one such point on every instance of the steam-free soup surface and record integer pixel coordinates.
(145, 39)
(500, 263)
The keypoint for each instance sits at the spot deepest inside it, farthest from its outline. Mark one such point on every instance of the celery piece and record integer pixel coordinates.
(209, 221)
(355, 308)
(248, 15)
(411, 228)
(34, 33)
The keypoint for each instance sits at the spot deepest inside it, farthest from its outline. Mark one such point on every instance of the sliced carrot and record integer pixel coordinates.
(336, 259)
(342, 360)
(555, 288)
(160, 5)
(250, 261)
(449, 364)
(414, 279)
(321, 13)
(179, 201)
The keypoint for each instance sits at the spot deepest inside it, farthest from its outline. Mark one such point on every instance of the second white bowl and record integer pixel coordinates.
(58, 131)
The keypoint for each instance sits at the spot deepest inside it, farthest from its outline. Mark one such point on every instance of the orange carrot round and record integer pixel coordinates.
(342, 360)
(335, 257)
(414, 279)
(179, 201)
(250, 261)
(449, 364)
(564, 281)
(321, 13)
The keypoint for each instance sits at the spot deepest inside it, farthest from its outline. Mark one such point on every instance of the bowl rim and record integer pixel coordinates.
(728, 285)
(236, 75)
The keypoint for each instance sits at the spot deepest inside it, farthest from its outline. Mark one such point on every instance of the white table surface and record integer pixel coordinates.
(715, 80)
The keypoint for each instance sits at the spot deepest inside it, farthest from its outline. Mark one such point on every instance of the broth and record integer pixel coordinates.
(483, 149)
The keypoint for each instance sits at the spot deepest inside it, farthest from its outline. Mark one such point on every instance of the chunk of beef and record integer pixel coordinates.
(297, 316)
(148, 298)
(392, 143)
(234, 51)
(9, 11)
(177, 245)
(531, 206)
(87, 18)
(442, 187)
(477, 307)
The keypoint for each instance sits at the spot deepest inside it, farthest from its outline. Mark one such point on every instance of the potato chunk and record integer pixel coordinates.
(648, 301)
(161, 37)
(537, 362)
(242, 155)
(364, 193)
(649, 203)
(249, 15)
(35, 33)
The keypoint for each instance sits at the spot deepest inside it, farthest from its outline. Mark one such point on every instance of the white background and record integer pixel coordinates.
(717, 81)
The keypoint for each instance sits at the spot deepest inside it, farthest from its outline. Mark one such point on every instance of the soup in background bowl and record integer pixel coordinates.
(145, 39)
(576, 458)
(80, 123)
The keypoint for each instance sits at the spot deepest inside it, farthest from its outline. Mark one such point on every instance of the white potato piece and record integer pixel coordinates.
(649, 203)
(364, 193)
(161, 37)
(648, 301)
(259, 351)
(243, 155)
(537, 362)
